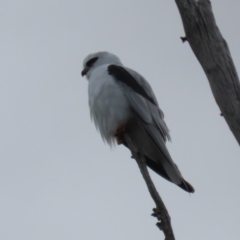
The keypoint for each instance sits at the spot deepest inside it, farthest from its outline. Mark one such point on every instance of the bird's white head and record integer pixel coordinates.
(92, 61)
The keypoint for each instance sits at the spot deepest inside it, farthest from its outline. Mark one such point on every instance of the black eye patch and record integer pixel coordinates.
(90, 62)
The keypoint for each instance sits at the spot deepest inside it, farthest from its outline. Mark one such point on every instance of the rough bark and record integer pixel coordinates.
(160, 212)
(213, 53)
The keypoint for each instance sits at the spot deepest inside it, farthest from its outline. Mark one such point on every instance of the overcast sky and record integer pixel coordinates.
(58, 180)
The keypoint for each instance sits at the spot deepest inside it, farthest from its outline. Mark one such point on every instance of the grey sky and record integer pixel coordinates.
(58, 180)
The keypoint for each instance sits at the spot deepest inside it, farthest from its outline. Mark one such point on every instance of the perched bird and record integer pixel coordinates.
(121, 101)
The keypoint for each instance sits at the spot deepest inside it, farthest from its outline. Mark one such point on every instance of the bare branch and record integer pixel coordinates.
(160, 212)
(213, 53)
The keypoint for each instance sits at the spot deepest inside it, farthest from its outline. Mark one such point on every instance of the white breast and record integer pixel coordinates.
(108, 106)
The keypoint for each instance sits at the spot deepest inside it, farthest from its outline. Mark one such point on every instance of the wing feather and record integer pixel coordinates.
(156, 113)
(151, 131)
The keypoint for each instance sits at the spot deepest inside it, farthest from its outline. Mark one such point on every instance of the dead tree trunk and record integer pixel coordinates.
(213, 53)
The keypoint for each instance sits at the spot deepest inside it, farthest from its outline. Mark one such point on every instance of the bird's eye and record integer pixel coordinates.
(91, 61)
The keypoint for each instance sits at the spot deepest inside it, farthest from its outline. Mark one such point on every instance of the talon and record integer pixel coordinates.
(120, 140)
(120, 134)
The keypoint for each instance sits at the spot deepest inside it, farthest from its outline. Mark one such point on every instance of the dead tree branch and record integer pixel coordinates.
(160, 212)
(213, 53)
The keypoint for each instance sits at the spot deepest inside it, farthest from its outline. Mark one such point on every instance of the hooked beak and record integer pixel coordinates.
(84, 71)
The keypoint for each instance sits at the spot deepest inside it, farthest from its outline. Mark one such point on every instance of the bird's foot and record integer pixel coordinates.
(120, 134)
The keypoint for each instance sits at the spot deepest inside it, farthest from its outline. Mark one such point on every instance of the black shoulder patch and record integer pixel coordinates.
(125, 77)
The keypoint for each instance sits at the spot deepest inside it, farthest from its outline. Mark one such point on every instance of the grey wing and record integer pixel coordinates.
(150, 132)
(156, 113)
(146, 127)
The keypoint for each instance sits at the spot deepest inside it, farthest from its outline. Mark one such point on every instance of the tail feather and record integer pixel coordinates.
(161, 171)
(152, 145)
(187, 186)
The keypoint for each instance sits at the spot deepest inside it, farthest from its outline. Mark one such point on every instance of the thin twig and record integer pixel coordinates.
(160, 212)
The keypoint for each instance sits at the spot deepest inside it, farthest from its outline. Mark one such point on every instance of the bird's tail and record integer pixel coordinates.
(149, 140)
(159, 169)
(186, 186)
